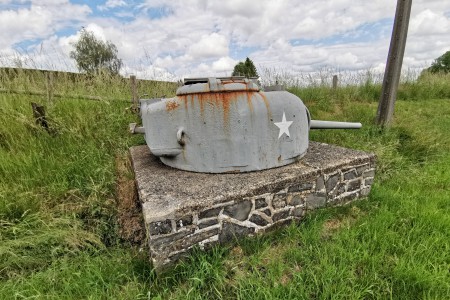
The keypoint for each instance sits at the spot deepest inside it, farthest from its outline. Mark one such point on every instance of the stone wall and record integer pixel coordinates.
(257, 209)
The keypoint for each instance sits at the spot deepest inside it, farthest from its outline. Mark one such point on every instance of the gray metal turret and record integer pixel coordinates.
(218, 125)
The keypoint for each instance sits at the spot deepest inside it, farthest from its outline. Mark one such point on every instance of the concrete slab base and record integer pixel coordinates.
(185, 209)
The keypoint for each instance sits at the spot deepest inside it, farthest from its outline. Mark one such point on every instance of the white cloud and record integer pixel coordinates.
(97, 30)
(224, 64)
(39, 20)
(23, 24)
(346, 59)
(211, 45)
(111, 4)
(149, 72)
(165, 62)
(429, 22)
(220, 67)
(200, 37)
(269, 20)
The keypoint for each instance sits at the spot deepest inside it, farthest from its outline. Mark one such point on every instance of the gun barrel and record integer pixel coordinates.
(316, 124)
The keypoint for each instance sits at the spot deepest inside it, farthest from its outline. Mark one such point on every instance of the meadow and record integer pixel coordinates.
(60, 236)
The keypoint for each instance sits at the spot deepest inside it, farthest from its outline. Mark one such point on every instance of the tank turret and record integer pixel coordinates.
(219, 125)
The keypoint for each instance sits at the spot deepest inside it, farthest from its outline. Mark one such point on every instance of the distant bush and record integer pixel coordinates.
(93, 55)
(246, 69)
(441, 64)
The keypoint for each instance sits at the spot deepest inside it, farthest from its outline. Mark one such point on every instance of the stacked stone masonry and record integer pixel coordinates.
(257, 209)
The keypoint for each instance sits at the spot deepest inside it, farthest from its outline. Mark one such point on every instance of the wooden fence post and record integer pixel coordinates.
(49, 78)
(335, 82)
(134, 93)
(39, 115)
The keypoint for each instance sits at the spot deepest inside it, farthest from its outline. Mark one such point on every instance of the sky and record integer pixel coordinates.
(174, 39)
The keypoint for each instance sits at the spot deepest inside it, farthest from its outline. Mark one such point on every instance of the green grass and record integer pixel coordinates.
(58, 227)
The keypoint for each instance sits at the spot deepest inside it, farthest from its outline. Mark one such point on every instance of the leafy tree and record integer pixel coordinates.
(441, 64)
(246, 69)
(93, 55)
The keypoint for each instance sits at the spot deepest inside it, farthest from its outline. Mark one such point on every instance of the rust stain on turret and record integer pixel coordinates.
(171, 105)
(249, 96)
(226, 99)
(184, 99)
(269, 112)
(220, 101)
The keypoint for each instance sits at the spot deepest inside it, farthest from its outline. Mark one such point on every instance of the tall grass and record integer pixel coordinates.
(58, 227)
(57, 191)
(74, 85)
(358, 85)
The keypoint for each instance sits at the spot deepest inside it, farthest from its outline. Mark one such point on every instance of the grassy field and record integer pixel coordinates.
(58, 204)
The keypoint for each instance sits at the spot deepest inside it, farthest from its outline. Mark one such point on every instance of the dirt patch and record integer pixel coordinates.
(129, 211)
(288, 275)
(333, 225)
(237, 253)
(329, 227)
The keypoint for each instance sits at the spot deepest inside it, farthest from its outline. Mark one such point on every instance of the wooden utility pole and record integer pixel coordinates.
(394, 63)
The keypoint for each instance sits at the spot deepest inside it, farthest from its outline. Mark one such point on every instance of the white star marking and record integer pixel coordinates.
(284, 126)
